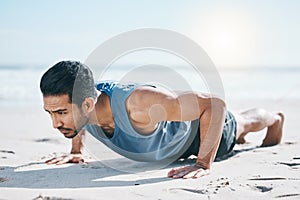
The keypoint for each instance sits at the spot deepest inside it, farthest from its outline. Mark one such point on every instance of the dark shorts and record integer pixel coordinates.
(227, 142)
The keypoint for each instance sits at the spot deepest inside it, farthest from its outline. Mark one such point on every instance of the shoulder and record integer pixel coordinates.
(143, 107)
(146, 94)
(149, 100)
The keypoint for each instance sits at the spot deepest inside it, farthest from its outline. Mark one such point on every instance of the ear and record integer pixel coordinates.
(88, 105)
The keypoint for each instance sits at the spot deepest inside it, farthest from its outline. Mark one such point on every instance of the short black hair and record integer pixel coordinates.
(69, 77)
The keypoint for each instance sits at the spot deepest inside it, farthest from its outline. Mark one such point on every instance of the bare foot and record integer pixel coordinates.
(274, 133)
(241, 140)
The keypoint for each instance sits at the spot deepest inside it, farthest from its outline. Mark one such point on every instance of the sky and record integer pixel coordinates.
(250, 33)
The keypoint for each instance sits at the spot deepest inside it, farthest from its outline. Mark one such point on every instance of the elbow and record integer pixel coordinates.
(218, 105)
(214, 109)
(218, 102)
(209, 103)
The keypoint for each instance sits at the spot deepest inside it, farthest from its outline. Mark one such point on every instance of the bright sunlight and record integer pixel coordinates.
(230, 38)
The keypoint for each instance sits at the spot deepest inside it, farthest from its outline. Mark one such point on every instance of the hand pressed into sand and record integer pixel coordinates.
(185, 172)
(75, 156)
(70, 158)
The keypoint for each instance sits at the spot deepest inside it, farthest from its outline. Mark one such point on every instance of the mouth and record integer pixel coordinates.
(65, 131)
(68, 133)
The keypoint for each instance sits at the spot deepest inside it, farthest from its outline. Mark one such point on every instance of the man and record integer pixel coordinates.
(137, 119)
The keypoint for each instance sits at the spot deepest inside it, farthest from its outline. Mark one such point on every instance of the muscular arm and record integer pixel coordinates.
(147, 106)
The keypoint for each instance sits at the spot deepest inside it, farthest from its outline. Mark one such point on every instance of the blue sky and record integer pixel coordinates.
(233, 33)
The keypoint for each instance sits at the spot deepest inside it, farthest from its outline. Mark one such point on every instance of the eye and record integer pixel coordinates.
(61, 112)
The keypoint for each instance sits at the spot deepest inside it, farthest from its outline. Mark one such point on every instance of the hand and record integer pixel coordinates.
(195, 171)
(70, 158)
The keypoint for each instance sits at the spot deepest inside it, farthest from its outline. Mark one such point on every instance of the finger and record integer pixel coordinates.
(181, 174)
(200, 173)
(65, 159)
(53, 160)
(175, 173)
(171, 172)
(50, 160)
(181, 170)
(190, 175)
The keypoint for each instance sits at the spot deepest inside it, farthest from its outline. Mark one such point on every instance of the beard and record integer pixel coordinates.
(76, 131)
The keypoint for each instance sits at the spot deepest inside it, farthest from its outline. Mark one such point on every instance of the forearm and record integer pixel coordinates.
(211, 127)
(77, 143)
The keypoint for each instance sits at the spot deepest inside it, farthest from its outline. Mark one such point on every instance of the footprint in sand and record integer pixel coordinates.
(292, 165)
(287, 195)
(289, 164)
(54, 141)
(3, 179)
(213, 187)
(6, 152)
(262, 188)
(41, 197)
(290, 143)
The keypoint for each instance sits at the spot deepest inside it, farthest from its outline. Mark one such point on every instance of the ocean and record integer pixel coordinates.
(19, 86)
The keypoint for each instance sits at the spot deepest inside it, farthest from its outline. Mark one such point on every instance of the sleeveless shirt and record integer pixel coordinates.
(170, 139)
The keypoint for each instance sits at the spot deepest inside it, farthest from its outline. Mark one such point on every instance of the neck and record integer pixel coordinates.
(102, 113)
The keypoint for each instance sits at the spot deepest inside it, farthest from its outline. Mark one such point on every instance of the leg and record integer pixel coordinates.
(257, 119)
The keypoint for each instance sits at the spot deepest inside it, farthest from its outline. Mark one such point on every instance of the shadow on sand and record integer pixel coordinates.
(71, 176)
(93, 174)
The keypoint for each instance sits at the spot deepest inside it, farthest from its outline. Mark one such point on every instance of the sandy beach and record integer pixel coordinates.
(27, 140)
(253, 45)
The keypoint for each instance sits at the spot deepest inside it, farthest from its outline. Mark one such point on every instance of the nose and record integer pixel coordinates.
(56, 122)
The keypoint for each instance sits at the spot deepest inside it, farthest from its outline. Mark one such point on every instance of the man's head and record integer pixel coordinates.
(68, 93)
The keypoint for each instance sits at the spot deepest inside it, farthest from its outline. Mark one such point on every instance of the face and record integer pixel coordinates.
(66, 116)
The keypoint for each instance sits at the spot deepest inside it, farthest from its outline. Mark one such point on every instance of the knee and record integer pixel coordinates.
(260, 111)
(260, 115)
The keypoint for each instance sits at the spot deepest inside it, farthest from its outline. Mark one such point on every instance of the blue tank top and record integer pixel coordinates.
(169, 140)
